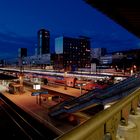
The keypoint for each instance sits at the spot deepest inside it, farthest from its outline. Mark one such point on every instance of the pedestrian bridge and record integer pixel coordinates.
(121, 121)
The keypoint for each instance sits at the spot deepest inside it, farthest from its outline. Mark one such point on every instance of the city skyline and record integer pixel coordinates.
(21, 21)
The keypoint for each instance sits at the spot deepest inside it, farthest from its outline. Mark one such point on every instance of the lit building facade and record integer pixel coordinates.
(72, 52)
(98, 52)
(106, 60)
(43, 42)
(37, 60)
(28, 61)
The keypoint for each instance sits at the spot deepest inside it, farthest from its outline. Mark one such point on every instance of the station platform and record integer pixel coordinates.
(40, 111)
(74, 92)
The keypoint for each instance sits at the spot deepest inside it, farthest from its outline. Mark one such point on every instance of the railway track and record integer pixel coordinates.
(16, 123)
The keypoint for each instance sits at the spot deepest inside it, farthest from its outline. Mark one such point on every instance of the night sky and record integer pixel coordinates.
(21, 19)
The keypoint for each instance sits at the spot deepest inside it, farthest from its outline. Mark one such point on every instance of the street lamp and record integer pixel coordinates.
(21, 82)
(80, 88)
(37, 87)
(21, 78)
(80, 85)
(21, 74)
(135, 68)
(65, 84)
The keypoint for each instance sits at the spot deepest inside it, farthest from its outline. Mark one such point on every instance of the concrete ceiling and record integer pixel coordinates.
(124, 12)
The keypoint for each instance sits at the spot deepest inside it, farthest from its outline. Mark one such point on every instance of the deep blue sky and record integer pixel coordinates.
(21, 19)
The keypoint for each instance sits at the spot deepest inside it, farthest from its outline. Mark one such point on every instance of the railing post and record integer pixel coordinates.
(125, 114)
(111, 125)
(134, 106)
(128, 128)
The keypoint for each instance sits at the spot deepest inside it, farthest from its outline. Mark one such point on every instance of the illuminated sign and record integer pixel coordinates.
(36, 87)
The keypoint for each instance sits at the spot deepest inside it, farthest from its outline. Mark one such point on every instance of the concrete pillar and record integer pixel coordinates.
(136, 119)
(128, 132)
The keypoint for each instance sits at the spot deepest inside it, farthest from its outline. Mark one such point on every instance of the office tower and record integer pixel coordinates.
(73, 52)
(43, 42)
(22, 52)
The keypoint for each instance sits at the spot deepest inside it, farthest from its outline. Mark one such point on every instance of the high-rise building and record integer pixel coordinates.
(22, 52)
(73, 52)
(43, 42)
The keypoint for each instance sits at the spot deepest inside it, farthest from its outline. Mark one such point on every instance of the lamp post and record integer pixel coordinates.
(37, 87)
(80, 88)
(80, 85)
(21, 74)
(65, 84)
(135, 68)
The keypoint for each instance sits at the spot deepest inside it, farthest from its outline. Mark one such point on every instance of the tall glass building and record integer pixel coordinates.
(22, 52)
(43, 42)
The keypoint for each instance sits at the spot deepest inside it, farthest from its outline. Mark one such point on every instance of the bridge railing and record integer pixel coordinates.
(105, 124)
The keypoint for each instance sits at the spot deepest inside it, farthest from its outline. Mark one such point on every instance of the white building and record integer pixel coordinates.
(44, 59)
(107, 59)
(37, 59)
(97, 52)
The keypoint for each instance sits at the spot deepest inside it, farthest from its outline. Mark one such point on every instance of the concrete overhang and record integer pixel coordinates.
(124, 12)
